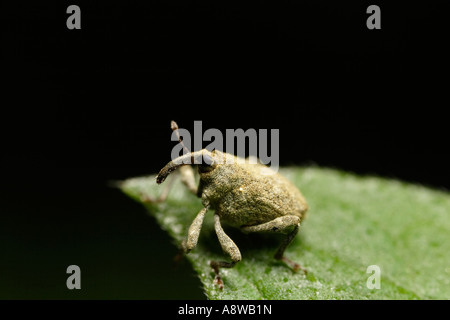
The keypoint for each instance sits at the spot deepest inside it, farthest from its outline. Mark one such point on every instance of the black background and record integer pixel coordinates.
(82, 107)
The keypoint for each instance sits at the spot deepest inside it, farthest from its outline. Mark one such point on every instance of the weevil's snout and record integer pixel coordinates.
(168, 168)
(172, 166)
(203, 158)
(161, 177)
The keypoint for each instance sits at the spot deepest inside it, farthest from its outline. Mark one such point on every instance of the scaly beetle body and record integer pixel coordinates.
(251, 197)
(245, 194)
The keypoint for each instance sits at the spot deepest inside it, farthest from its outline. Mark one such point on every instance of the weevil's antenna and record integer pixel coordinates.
(174, 127)
(187, 158)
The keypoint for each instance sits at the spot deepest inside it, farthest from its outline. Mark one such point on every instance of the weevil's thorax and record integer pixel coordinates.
(227, 175)
(219, 182)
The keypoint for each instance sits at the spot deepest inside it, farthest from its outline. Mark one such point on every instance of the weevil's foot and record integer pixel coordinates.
(299, 267)
(178, 258)
(295, 266)
(147, 199)
(182, 251)
(218, 282)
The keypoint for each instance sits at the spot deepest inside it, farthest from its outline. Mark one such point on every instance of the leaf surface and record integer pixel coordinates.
(353, 222)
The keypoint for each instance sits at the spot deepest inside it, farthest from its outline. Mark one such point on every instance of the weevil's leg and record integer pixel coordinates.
(279, 255)
(288, 225)
(163, 196)
(187, 177)
(192, 238)
(194, 232)
(229, 247)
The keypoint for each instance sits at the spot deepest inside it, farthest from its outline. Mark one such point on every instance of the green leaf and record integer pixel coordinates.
(353, 222)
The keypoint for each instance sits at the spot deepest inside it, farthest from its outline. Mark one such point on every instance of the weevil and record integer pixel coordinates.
(243, 195)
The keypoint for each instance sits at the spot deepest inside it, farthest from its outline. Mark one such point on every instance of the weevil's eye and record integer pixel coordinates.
(204, 168)
(208, 162)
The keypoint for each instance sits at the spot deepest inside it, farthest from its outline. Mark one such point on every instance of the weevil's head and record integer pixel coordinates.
(207, 161)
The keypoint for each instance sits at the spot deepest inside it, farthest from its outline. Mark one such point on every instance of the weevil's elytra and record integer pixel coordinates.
(242, 196)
